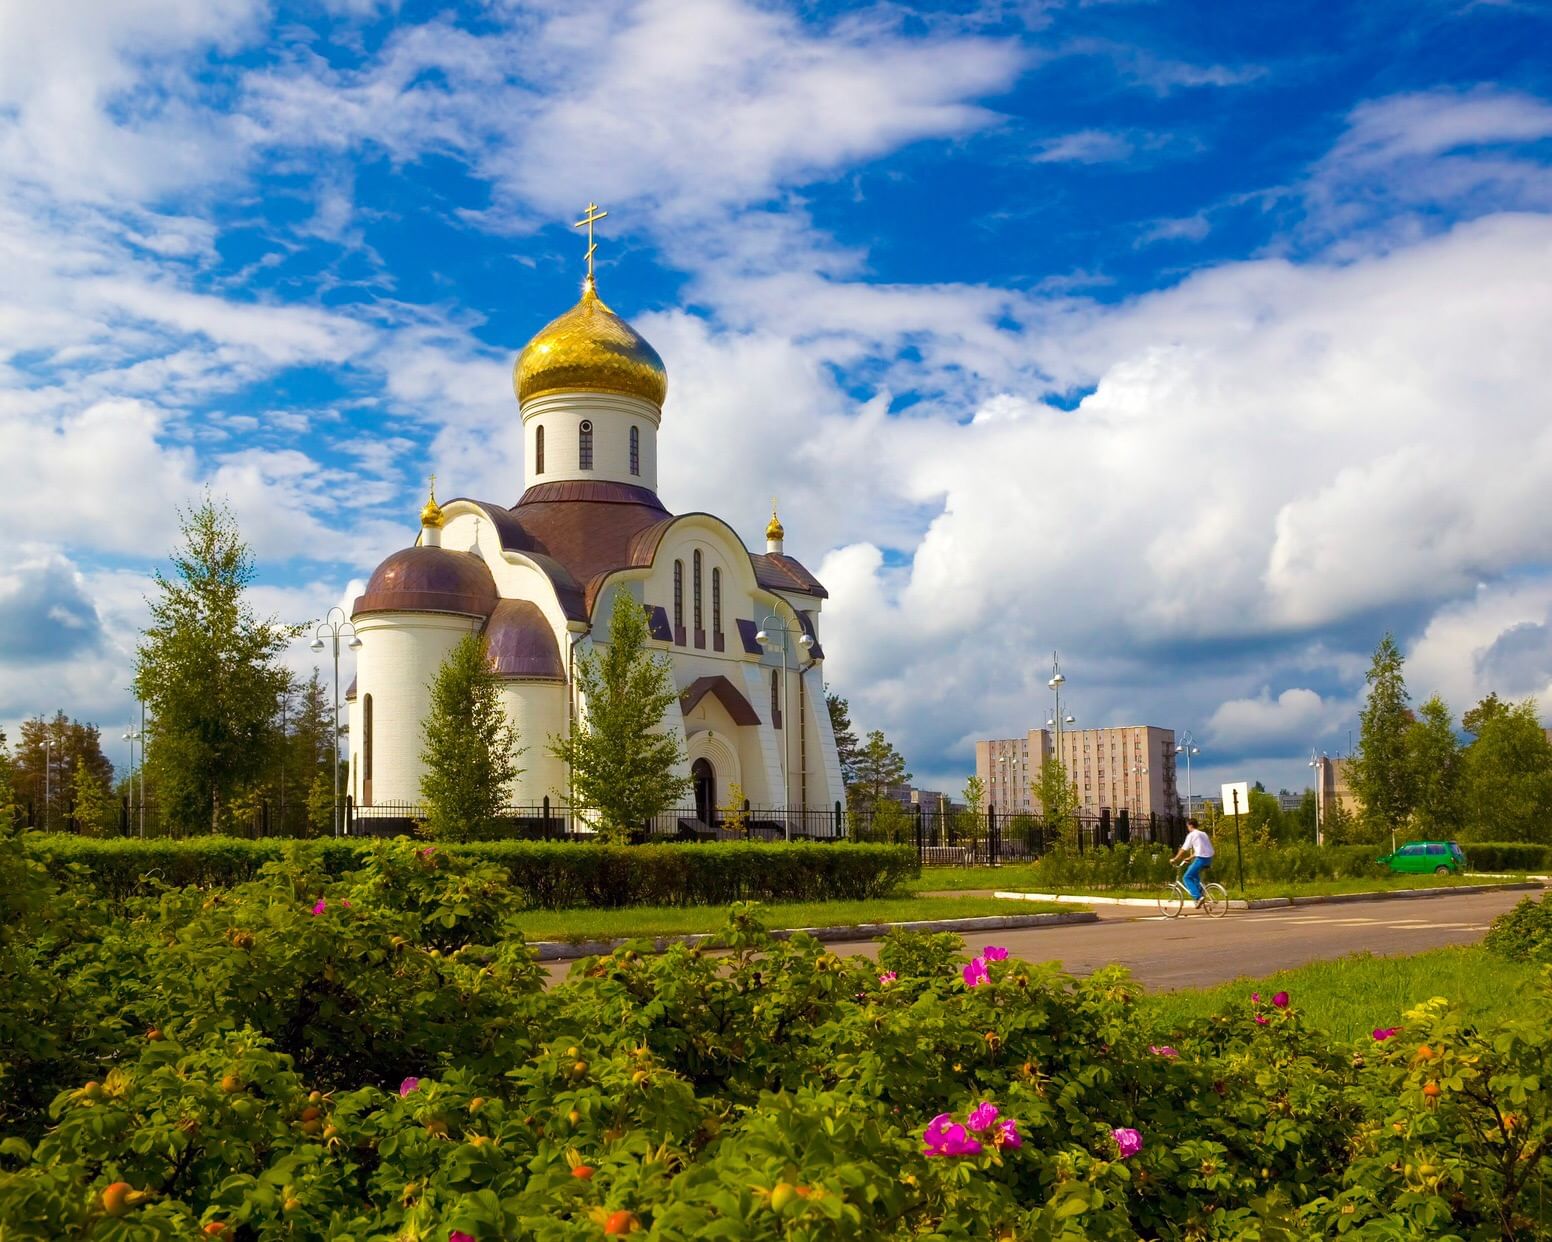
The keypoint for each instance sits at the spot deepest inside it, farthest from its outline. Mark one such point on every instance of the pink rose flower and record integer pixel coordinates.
(408, 1085)
(1261, 1019)
(1128, 1142)
(994, 953)
(345, 901)
(1255, 998)
(1162, 1050)
(1281, 1000)
(946, 1137)
(458, 1235)
(1008, 1135)
(975, 972)
(320, 906)
(887, 977)
(982, 1115)
(1382, 1033)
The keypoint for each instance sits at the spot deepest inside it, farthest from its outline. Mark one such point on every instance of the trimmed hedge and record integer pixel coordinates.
(1128, 866)
(1507, 856)
(550, 874)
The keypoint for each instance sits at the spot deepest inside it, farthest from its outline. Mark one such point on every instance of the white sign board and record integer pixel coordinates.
(1242, 788)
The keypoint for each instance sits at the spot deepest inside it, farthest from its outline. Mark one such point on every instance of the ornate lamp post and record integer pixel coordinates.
(334, 628)
(133, 735)
(1187, 746)
(764, 638)
(1318, 762)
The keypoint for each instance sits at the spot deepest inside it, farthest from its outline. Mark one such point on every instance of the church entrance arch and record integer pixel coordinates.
(704, 778)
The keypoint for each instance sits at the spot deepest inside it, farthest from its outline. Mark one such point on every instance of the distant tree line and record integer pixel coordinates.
(1415, 775)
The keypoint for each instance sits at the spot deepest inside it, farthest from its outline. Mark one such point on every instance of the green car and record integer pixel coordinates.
(1419, 857)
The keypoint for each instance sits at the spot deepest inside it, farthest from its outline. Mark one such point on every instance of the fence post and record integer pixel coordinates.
(921, 844)
(350, 814)
(993, 838)
(544, 813)
(840, 828)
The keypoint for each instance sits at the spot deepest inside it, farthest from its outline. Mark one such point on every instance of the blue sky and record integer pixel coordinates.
(1203, 343)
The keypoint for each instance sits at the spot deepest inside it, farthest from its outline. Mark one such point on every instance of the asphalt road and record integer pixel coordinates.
(1195, 951)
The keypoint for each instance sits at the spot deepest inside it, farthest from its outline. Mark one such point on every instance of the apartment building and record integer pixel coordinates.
(1129, 767)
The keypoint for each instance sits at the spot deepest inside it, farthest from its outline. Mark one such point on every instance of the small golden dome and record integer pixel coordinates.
(431, 515)
(593, 349)
(774, 531)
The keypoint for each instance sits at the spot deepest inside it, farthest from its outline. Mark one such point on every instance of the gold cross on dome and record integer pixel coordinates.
(593, 215)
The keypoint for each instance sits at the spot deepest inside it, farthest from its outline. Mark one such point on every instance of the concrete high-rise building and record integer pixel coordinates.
(1129, 767)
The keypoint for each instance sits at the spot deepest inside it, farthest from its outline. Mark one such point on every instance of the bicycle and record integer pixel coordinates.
(1215, 898)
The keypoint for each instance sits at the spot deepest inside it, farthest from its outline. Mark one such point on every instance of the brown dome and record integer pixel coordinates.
(427, 579)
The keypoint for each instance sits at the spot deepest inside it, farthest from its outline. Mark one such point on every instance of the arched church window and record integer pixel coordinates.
(716, 601)
(635, 450)
(585, 445)
(366, 747)
(699, 623)
(776, 698)
(539, 449)
(678, 596)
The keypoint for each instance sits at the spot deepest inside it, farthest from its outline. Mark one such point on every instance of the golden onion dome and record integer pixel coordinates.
(592, 349)
(774, 531)
(431, 515)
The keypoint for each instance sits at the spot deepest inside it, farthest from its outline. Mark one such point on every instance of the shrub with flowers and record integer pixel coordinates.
(236, 1065)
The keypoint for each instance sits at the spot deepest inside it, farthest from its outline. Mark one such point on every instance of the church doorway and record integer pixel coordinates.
(704, 777)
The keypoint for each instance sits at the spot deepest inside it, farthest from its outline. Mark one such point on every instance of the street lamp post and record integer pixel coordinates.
(1318, 763)
(1187, 746)
(1056, 721)
(133, 735)
(334, 628)
(763, 637)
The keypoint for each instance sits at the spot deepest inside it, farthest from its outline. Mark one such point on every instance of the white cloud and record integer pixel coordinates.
(1291, 719)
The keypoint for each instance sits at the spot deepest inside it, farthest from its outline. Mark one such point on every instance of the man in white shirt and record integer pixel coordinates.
(1198, 847)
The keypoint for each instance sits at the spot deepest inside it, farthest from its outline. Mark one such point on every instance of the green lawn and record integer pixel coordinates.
(591, 924)
(1351, 996)
(1027, 879)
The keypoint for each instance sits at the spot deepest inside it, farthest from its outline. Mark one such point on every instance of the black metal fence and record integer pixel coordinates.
(941, 837)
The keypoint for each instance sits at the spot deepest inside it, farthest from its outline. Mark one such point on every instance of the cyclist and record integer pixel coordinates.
(1198, 847)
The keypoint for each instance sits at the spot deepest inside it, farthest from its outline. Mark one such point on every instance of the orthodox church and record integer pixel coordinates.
(539, 580)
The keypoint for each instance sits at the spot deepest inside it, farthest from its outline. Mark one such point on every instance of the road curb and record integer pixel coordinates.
(1279, 903)
(565, 950)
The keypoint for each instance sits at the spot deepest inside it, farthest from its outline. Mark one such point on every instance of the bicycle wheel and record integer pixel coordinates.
(1217, 904)
(1171, 901)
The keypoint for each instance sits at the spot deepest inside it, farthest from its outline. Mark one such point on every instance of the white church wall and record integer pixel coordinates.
(399, 656)
(612, 415)
(825, 787)
(537, 709)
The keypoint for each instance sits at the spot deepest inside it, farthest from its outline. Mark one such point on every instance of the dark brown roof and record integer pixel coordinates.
(426, 579)
(725, 693)
(579, 532)
(776, 572)
(350, 691)
(520, 642)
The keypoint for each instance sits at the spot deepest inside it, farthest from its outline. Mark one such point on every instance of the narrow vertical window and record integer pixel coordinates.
(585, 446)
(678, 597)
(716, 601)
(366, 746)
(635, 450)
(776, 698)
(699, 623)
(539, 449)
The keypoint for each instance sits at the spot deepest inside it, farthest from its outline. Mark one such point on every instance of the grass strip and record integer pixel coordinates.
(1351, 996)
(1028, 879)
(575, 925)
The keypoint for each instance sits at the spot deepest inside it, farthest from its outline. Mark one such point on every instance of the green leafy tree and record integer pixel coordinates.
(469, 747)
(625, 765)
(320, 804)
(878, 767)
(1057, 794)
(208, 669)
(846, 746)
(7, 788)
(95, 812)
(1488, 709)
(966, 823)
(60, 745)
(1507, 776)
(1300, 823)
(1437, 764)
(1381, 774)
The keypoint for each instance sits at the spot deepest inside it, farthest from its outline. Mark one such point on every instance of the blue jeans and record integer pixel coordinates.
(1190, 879)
